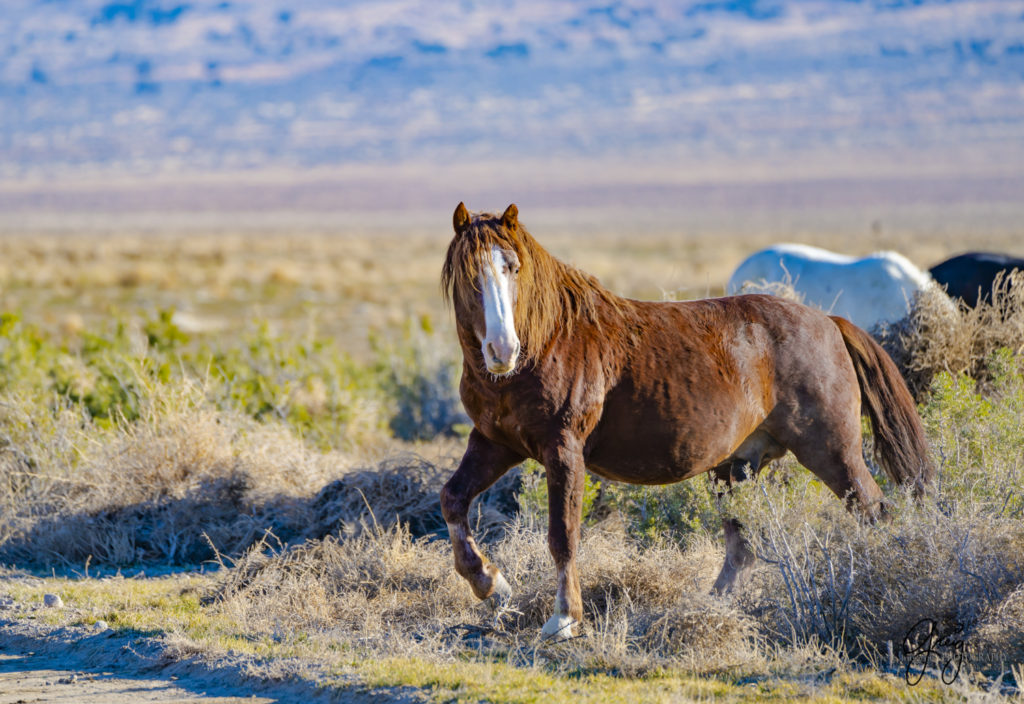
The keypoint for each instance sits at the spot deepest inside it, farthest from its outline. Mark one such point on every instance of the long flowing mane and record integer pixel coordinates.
(552, 296)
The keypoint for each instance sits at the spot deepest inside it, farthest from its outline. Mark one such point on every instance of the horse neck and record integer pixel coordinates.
(562, 300)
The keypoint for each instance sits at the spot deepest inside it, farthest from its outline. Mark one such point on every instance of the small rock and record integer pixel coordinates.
(101, 625)
(52, 600)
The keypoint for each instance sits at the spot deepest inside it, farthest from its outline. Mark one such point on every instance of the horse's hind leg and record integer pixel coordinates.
(830, 446)
(844, 472)
(482, 465)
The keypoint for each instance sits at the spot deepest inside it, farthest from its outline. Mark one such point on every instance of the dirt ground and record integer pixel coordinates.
(28, 678)
(42, 664)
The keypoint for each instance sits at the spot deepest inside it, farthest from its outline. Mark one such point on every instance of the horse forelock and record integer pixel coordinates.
(551, 296)
(468, 253)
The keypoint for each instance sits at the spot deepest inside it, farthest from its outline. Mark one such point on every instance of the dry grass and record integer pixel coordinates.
(395, 595)
(187, 480)
(933, 338)
(829, 592)
(859, 588)
(160, 489)
(782, 289)
(342, 284)
(404, 489)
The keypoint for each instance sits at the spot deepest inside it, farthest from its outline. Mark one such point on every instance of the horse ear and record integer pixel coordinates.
(511, 217)
(461, 218)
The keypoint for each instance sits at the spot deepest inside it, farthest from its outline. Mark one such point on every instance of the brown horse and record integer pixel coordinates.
(558, 369)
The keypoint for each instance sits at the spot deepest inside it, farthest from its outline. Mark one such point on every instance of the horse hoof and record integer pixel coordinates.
(502, 593)
(500, 602)
(558, 627)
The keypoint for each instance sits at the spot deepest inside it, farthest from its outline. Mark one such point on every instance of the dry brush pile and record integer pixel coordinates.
(961, 340)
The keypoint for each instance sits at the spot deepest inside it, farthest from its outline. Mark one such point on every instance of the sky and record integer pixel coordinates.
(641, 92)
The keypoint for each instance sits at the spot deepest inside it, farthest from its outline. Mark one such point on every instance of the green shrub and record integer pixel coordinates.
(976, 432)
(25, 354)
(674, 512)
(420, 377)
(309, 383)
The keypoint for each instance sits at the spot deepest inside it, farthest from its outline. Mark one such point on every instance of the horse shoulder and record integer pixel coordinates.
(576, 381)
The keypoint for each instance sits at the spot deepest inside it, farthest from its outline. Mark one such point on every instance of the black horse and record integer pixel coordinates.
(969, 276)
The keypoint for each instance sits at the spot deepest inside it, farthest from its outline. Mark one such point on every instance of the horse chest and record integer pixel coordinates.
(528, 416)
(500, 420)
(500, 417)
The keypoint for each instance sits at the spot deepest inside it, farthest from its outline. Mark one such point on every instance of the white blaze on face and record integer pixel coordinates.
(500, 345)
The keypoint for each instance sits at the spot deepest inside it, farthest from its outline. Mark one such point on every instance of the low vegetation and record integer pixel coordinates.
(292, 490)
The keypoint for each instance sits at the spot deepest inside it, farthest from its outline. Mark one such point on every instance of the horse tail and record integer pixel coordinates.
(900, 445)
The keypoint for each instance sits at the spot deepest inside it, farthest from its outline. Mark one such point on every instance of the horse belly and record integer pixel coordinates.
(698, 384)
(641, 445)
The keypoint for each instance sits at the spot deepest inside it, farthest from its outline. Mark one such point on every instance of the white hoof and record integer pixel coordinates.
(502, 591)
(500, 601)
(558, 627)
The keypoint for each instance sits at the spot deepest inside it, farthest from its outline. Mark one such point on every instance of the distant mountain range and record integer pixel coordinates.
(793, 87)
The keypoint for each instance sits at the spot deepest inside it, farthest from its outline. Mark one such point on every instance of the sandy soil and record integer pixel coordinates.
(30, 678)
(41, 664)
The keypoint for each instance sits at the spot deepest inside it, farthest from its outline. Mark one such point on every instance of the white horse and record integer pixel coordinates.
(878, 288)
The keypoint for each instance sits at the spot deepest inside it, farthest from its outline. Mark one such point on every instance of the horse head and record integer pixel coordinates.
(482, 276)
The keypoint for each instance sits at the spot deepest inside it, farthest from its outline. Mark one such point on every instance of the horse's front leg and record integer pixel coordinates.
(482, 465)
(565, 474)
(739, 558)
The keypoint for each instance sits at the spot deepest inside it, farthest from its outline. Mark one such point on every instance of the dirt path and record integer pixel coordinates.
(42, 664)
(26, 679)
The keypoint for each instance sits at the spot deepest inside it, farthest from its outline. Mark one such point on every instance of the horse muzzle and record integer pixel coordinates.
(500, 356)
